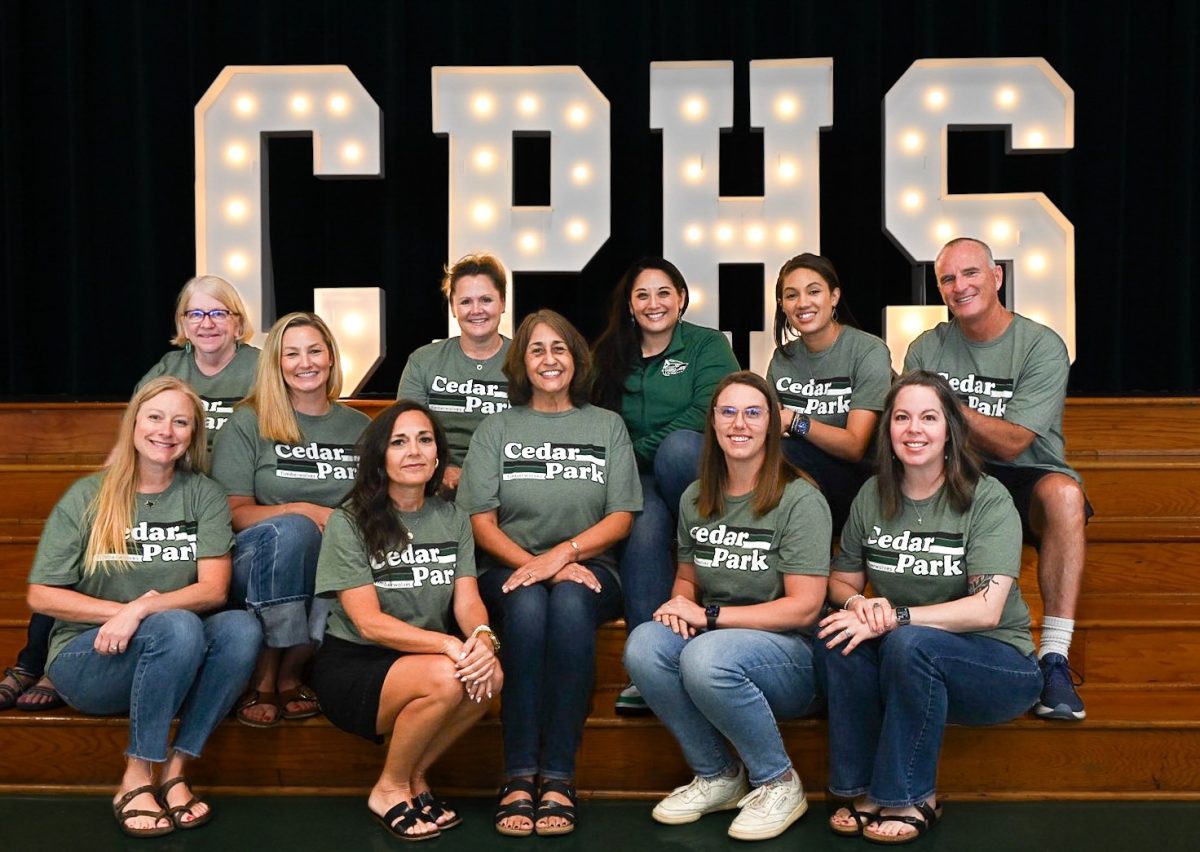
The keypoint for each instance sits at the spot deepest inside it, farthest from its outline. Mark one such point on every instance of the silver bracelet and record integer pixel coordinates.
(846, 604)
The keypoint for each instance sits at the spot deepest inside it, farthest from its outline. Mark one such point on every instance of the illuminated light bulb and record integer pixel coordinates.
(1035, 139)
(695, 296)
(911, 200)
(724, 233)
(353, 324)
(1006, 97)
(786, 235)
(352, 152)
(576, 229)
(1036, 262)
(1001, 231)
(912, 142)
(577, 115)
(943, 231)
(237, 262)
(693, 170)
(528, 105)
(581, 173)
(693, 234)
(338, 104)
(911, 324)
(245, 105)
(347, 364)
(786, 106)
(788, 170)
(485, 159)
(483, 212)
(935, 99)
(300, 104)
(693, 108)
(529, 242)
(235, 154)
(483, 105)
(236, 209)
(755, 234)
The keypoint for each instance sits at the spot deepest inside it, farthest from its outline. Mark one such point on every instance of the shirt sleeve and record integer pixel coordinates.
(994, 537)
(215, 531)
(234, 454)
(413, 382)
(872, 379)
(914, 358)
(1040, 389)
(59, 557)
(342, 564)
(685, 545)
(850, 558)
(623, 491)
(479, 485)
(465, 566)
(807, 528)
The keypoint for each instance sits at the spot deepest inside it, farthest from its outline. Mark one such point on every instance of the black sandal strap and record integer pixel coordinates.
(403, 816)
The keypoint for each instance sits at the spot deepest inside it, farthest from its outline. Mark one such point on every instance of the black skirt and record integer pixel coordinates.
(348, 679)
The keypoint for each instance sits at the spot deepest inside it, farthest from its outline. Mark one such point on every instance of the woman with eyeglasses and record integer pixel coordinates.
(286, 458)
(217, 360)
(730, 653)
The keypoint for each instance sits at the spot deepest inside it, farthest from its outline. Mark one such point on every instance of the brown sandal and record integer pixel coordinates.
(176, 813)
(10, 693)
(298, 693)
(123, 816)
(253, 698)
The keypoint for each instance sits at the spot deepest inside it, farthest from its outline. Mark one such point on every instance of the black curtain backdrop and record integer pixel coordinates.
(96, 161)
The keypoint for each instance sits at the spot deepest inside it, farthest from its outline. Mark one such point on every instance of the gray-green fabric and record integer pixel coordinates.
(926, 554)
(1021, 376)
(219, 393)
(414, 584)
(460, 391)
(319, 470)
(740, 558)
(854, 373)
(173, 529)
(551, 476)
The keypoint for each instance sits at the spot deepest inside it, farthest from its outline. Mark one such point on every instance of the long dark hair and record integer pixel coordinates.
(368, 503)
(962, 465)
(618, 349)
(823, 266)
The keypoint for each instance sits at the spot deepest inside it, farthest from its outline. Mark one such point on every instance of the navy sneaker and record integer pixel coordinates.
(1059, 699)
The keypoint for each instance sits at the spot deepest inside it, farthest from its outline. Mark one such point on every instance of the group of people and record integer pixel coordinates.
(475, 534)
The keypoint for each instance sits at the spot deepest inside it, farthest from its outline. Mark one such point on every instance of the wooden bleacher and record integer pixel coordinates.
(1137, 642)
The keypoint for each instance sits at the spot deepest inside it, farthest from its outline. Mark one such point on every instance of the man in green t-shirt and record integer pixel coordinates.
(1011, 375)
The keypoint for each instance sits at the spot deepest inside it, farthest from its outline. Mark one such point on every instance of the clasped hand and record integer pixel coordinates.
(681, 615)
(475, 664)
(867, 618)
(114, 634)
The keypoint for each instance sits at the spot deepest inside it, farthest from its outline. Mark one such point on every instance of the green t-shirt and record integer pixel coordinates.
(1021, 376)
(550, 476)
(459, 390)
(173, 529)
(854, 373)
(740, 558)
(414, 584)
(926, 554)
(319, 470)
(219, 393)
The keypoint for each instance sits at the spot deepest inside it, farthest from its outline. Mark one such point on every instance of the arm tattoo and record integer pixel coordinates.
(981, 583)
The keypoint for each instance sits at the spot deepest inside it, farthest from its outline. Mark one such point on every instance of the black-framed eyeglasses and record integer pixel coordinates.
(217, 315)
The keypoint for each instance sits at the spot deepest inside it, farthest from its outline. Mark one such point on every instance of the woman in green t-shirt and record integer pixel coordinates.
(141, 549)
(401, 563)
(730, 652)
(285, 459)
(944, 637)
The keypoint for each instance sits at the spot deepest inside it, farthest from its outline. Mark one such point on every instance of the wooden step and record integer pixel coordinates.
(1135, 743)
(1119, 567)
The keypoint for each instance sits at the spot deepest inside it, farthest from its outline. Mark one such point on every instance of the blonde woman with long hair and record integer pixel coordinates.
(286, 458)
(129, 559)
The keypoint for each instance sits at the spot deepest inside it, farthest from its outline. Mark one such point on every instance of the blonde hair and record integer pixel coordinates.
(223, 292)
(112, 511)
(269, 397)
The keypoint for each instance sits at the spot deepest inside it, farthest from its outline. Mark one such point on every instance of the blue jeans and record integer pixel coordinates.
(274, 574)
(549, 659)
(891, 698)
(176, 663)
(647, 571)
(838, 480)
(724, 685)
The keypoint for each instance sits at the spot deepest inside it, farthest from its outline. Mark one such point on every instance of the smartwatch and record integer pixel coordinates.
(800, 425)
(902, 615)
(711, 612)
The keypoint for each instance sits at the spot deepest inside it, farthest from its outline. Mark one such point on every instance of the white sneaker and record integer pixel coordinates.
(702, 796)
(769, 810)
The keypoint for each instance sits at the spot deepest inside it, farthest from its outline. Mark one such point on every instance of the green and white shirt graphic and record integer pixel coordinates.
(460, 391)
(852, 374)
(414, 583)
(219, 393)
(1021, 376)
(320, 469)
(741, 558)
(928, 552)
(550, 476)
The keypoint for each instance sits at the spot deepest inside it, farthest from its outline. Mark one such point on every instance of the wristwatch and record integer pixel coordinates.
(800, 425)
(491, 634)
(711, 613)
(902, 616)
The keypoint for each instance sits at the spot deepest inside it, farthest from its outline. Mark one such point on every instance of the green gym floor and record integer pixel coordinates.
(254, 824)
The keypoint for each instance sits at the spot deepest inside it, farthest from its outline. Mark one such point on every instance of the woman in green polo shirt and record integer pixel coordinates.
(408, 651)
(944, 637)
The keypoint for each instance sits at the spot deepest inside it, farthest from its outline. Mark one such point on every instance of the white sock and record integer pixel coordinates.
(1056, 636)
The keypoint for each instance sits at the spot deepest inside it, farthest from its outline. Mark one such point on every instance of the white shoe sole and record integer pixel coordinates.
(766, 833)
(669, 818)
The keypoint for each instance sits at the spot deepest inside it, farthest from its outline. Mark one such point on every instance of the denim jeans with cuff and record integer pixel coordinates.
(274, 574)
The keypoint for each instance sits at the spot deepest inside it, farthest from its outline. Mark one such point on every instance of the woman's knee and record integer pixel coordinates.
(649, 647)
(179, 631)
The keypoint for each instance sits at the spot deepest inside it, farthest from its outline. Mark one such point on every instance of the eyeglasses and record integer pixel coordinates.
(752, 413)
(217, 315)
